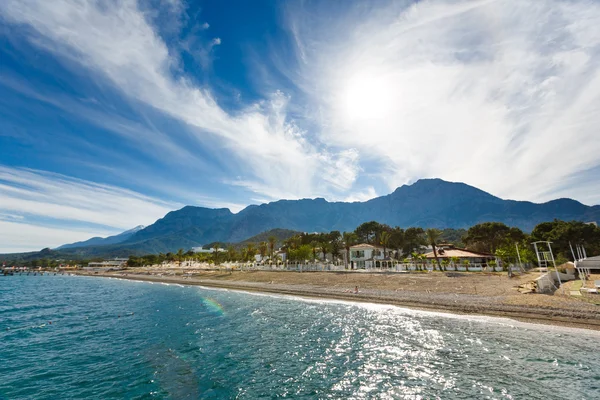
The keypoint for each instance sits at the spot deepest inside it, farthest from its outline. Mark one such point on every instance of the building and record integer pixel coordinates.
(211, 250)
(366, 256)
(449, 251)
(108, 265)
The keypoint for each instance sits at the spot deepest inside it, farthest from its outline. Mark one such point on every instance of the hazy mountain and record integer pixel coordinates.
(99, 241)
(426, 203)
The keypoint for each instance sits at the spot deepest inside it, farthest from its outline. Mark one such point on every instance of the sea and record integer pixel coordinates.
(74, 337)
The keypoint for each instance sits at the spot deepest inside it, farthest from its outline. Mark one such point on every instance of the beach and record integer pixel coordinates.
(461, 293)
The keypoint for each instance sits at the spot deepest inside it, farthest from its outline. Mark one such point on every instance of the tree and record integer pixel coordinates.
(453, 236)
(272, 241)
(414, 238)
(369, 232)
(488, 236)
(397, 240)
(454, 260)
(560, 233)
(384, 240)
(262, 250)
(314, 245)
(335, 243)
(216, 253)
(231, 253)
(349, 239)
(445, 263)
(250, 252)
(466, 263)
(325, 248)
(418, 260)
(432, 237)
(301, 253)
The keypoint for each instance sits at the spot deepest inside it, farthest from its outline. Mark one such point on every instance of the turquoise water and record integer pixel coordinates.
(115, 339)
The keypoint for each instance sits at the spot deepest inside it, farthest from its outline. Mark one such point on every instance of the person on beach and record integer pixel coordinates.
(356, 290)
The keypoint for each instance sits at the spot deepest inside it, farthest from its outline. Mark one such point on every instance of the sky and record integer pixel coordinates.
(113, 113)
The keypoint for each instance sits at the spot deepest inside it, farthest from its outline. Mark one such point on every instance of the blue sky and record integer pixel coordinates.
(112, 113)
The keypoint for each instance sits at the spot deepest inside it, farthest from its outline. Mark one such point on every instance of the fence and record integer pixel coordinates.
(397, 267)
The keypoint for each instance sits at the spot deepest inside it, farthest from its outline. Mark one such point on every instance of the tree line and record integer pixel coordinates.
(493, 238)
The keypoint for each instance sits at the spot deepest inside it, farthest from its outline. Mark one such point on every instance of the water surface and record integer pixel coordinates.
(92, 338)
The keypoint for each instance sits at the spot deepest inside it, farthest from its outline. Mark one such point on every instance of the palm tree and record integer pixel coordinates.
(349, 239)
(250, 251)
(384, 240)
(262, 250)
(455, 261)
(272, 241)
(216, 253)
(445, 263)
(432, 236)
(466, 263)
(231, 254)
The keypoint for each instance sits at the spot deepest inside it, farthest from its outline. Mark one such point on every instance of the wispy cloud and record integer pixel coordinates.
(23, 237)
(118, 42)
(367, 194)
(499, 94)
(55, 203)
(37, 193)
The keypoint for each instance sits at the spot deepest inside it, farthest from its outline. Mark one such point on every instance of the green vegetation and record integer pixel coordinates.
(489, 237)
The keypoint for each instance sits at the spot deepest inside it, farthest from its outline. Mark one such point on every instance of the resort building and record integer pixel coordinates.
(108, 265)
(449, 251)
(367, 256)
(200, 249)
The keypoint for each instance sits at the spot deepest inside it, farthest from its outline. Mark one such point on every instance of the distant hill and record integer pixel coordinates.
(280, 234)
(99, 241)
(428, 203)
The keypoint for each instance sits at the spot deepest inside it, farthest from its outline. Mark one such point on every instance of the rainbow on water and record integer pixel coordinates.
(213, 305)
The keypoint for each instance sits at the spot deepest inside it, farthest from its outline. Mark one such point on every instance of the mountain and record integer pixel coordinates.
(428, 203)
(279, 234)
(99, 241)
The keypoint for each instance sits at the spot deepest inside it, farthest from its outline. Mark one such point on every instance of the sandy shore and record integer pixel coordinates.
(467, 293)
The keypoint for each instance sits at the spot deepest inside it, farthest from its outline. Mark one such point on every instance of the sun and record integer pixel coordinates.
(366, 96)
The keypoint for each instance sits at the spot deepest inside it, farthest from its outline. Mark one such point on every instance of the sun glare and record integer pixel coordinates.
(366, 96)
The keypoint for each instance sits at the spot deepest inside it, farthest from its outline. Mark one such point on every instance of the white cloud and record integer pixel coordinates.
(205, 25)
(115, 39)
(18, 237)
(216, 41)
(10, 217)
(367, 194)
(33, 198)
(502, 95)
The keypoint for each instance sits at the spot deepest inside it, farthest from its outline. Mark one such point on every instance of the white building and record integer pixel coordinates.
(366, 256)
(115, 264)
(211, 250)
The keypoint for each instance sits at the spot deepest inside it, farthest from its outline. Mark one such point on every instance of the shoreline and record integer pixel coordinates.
(543, 316)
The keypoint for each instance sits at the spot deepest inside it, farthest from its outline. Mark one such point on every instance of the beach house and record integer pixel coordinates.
(366, 256)
(451, 252)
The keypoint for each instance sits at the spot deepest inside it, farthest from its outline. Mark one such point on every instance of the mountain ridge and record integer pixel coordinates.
(428, 203)
(100, 241)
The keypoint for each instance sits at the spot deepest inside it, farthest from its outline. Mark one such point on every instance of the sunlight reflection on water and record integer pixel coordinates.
(178, 344)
